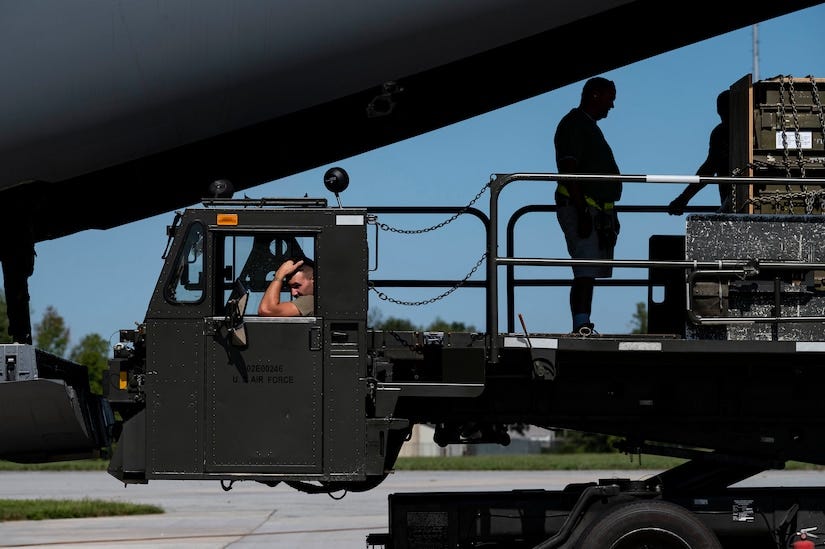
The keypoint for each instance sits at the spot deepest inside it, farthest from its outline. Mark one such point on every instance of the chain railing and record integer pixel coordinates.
(457, 285)
(456, 215)
(451, 285)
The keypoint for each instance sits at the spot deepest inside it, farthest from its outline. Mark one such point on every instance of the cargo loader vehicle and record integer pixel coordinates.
(727, 377)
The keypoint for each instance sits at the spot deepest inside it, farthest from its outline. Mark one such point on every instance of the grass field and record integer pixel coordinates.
(45, 509)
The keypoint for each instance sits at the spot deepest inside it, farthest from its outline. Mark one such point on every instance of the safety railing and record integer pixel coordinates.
(494, 261)
(694, 269)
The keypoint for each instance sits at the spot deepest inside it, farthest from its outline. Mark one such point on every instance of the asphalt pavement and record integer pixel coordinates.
(200, 514)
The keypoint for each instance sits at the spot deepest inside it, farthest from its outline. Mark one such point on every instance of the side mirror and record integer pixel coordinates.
(235, 310)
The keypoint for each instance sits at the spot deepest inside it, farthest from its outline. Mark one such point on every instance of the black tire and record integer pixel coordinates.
(651, 524)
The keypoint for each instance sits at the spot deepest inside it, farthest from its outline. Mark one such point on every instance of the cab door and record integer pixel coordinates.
(263, 401)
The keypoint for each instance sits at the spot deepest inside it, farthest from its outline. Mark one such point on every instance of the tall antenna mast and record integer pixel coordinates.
(755, 52)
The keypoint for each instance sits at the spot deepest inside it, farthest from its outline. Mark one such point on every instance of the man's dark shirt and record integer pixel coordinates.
(578, 136)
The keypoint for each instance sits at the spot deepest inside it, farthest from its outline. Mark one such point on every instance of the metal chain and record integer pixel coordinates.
(414, 347)
(787, 162)
(757, 164)
(800, 159)
(808, 196)
(786, 156)
(818, 103)
(385, 297)
(455, 216)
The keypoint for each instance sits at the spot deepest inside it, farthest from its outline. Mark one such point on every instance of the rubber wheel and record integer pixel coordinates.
(648, 525)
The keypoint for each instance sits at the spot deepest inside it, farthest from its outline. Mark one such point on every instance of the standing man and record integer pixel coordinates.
(585, 209)
(716, 164)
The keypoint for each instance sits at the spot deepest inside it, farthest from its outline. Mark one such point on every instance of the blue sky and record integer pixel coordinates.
(101, 281)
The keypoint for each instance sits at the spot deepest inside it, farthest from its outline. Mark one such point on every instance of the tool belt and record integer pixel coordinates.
(563, 198)
(605, 220)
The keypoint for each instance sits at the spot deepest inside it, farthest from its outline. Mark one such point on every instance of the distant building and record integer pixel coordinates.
(535, 440)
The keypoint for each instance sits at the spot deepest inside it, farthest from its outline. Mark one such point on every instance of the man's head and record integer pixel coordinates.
(302, 281)
(598, 95)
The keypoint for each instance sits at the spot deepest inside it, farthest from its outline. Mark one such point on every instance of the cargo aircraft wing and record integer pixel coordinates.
(125, 110)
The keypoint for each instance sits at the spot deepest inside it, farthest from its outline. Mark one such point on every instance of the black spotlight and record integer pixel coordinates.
(221, 188)
(336, 180)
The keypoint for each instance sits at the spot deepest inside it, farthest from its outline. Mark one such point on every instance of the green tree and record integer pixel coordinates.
(52, 334)
(373, 317)
(375, 321)
(397, 324)
(4, 320)
(92, 352)
(441, 325)
(571, 442)
(639, 323)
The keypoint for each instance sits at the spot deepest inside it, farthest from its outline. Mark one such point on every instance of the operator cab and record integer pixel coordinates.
(271, 398)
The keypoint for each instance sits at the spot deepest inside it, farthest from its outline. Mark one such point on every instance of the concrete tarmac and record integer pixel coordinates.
(200, 514)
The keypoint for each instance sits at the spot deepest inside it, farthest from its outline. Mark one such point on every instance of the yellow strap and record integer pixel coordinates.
(604, 206)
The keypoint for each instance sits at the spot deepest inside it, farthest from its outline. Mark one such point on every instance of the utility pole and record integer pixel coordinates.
(755, 52)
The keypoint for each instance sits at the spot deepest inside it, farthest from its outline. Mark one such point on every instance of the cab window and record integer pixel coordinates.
(253, 259)
(186, 283)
